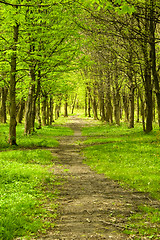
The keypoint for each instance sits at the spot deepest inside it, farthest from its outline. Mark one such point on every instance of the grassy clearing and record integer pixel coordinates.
(22, 177)
(26, 182)
(133, 159)
(45, 137)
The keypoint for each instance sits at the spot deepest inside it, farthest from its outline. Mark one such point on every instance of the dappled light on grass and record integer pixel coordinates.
(127, 155)
(45, 137)
(25, 180)
(132, 158)
(21, 182)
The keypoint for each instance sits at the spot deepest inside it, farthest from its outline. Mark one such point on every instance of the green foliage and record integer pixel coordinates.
(124, 9)
(48, 41)
(120, 6)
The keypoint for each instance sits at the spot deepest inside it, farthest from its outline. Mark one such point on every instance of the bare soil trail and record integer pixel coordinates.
(91, 206)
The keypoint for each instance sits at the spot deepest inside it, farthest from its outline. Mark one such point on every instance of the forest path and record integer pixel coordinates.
(91, 206)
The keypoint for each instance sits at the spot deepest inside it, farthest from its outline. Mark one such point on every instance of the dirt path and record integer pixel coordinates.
(91, 205)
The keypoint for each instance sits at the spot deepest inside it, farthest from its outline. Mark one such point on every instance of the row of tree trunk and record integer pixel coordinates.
(113, 105)
(34, 107)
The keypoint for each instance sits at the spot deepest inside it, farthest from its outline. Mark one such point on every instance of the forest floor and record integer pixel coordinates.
(90, 205)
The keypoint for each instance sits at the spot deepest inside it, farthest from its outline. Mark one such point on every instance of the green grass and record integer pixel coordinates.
(27, 183)
(45, 137)
(130, 157)
(127, 155)
(22, 177)
(144, 223)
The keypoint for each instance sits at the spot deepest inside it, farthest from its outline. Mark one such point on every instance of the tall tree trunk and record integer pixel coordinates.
(12, 88)
(138, 108)
(102, 104)
(116, 102)
(37, 96)
(4, 92)
(154, 108)
(21, 111)
(29, 110)
(48, 112)
(86, 106)
(74, 103)
(57, 111)
(51, 110)
(38, 113)
(58, 108)
(109, 108)
(95, 106)
(142, 109)
(66, 107)
(131, 85)
(44, 108)
(131, 99)
(126, 106)
(116, 94)
(153, 55)
(147, 73)
(31, 104)
(89, 102)
(149, 107)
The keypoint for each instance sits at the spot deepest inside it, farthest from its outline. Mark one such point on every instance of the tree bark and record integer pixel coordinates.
(12, 88)
(74, 103)
(48, 112)
(29, 110)
(86, 106)
(51, 111)
(95, 105)
(102, 104)
(108, 101)
(131, 99)
(21, 111)
(116, 102)
(138, 107)
(57, 109)
(153, 55)
(89, 102)
(125, 106)
(38, 113)
(66, 107)
(4, 92)
(147, 72)
(44, 108)
(142, 110)
(31, 103)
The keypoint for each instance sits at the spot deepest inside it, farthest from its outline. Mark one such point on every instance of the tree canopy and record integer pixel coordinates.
(113, 45)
